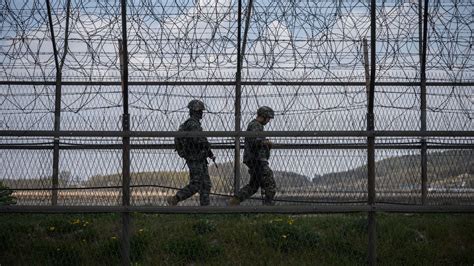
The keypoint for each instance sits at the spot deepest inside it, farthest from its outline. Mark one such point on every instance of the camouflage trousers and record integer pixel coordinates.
(261, 176)
(199, 181)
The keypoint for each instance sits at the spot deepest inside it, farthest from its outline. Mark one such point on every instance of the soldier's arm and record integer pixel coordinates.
(202, 142)
(258, 141)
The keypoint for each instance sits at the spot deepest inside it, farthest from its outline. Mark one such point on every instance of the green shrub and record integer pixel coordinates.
(204, 226)
(110, 248)
(139, 244)
(6, 197)
(193, 249)
(74, 228)
(55, 253)
(287, 236)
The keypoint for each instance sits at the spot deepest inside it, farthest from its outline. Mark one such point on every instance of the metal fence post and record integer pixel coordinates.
(372, 255)
(238, 102)
(241, 43)
(125, 249)
(57, 112)
(423, 43)
(59, 63)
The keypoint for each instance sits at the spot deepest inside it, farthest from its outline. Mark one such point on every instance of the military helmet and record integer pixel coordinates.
(266, 112)
(196, 105)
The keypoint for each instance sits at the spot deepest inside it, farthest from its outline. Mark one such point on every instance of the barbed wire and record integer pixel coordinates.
(197, 41)
(187, 40)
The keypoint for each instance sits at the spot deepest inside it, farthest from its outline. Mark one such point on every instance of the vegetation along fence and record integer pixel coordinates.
(373, 106)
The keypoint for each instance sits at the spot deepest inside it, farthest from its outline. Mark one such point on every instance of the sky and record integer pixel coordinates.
(197, 40)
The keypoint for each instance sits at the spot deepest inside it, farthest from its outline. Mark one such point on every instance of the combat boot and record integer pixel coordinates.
(172, 201)
(234, 201)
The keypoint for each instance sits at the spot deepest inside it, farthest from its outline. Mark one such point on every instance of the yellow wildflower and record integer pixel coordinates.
(290, 221)
(51, 228)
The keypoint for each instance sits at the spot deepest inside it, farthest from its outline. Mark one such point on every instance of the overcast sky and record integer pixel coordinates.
(197, 40)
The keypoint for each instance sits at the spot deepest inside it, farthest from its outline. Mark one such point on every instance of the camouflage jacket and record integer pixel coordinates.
(254, 148)
(194, 148)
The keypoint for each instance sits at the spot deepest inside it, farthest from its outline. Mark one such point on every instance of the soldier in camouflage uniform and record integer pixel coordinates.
(256, 155)
(195, 150)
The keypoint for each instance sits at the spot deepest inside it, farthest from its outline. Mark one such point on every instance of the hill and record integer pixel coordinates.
(283, 179)
(448, 168)
(222, 178)
(453, 168)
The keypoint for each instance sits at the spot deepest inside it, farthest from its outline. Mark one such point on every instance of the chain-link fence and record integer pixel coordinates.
(372, 100)
(306, 173)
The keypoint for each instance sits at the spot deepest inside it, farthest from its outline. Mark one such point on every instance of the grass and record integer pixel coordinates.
(94, 239)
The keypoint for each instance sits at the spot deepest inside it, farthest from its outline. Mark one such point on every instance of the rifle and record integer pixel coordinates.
(214, 161)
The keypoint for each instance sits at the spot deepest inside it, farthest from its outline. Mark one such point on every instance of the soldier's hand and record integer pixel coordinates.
(213, 158)
(210, 155)
(268, 143)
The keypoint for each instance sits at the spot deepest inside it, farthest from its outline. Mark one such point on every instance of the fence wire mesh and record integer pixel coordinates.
(197, 40)
(304, 170)
(63, 70)
(303, 176)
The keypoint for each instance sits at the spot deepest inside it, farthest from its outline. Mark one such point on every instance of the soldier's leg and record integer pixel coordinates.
(205, 186)
(268, 183)
(194, 181)
(248, 190)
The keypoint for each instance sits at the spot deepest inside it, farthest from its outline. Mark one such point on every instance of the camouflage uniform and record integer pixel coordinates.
(256, 156)
(197, 149)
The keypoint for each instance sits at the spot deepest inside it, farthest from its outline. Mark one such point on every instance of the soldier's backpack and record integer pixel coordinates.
(180, 144)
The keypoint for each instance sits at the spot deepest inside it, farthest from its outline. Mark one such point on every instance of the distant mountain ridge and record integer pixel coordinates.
(282, 178)
(405, 171)
(449, 168)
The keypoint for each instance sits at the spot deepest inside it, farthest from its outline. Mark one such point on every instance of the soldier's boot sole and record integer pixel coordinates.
(233, 202)
(172, 201)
